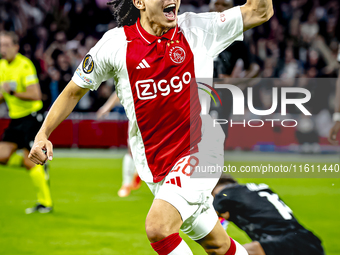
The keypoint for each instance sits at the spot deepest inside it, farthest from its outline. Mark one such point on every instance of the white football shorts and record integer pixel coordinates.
(189, 184)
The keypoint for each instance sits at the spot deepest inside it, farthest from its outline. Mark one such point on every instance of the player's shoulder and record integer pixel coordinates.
(112, 39)
(116, 33)
(23, 59)
(24, 62)
(191, 16)
(257, 187)
(189, 20)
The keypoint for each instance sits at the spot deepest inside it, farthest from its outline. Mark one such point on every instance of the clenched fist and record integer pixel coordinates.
(42, 150)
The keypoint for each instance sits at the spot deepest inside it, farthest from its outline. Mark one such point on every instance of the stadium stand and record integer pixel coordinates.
(300, 41)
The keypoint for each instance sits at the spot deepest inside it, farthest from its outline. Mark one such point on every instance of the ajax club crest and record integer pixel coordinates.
(177, 54)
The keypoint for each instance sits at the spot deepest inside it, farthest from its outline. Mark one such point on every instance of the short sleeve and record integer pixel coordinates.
(215, 31)
(97, 65)
(29, 74)
(227, 27)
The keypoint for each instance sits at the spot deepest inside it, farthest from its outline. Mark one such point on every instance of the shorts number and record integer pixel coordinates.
(184, 167)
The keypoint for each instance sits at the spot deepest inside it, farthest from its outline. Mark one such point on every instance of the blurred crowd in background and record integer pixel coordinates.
(56, 35)
(301, 40)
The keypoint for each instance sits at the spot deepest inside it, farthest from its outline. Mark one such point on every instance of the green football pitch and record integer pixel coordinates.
(89, 217)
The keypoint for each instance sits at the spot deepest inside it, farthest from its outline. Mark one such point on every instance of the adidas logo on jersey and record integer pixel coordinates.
(143, 64)
(175, 181)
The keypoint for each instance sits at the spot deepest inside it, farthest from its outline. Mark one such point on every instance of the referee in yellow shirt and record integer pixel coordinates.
(19, 87)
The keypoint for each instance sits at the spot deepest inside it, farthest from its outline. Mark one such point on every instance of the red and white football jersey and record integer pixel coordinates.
(153, 81)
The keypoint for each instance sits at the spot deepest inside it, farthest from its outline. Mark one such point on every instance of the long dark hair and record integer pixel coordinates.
(125, 13)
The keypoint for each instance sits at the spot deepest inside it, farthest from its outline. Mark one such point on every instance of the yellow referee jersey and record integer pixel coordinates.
(20, 74)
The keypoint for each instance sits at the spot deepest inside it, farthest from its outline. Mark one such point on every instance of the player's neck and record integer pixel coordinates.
(11, 59)
(153, 28)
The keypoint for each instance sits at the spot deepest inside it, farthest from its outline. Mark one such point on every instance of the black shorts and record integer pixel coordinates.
(22, 131)
(300, 242)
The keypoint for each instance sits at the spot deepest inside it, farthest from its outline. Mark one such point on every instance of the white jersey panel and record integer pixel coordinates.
(212, 31)
(208, 34)
(136, 142)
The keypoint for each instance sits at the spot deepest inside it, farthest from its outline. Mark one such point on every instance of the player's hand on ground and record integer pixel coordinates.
(102, 112)
(42, 150)
(333, 133)
(225, 215)
(254, 248)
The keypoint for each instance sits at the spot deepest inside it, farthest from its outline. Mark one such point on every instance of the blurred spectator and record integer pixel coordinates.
(64, 67)
(310, 29)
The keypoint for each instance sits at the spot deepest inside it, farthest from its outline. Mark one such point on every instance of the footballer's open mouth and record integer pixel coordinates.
(170, 11)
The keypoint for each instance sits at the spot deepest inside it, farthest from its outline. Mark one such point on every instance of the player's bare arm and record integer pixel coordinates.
(254, 248)
(111, 103)
(336, 117)
(61, 108)
(32, 92)
(256, 12)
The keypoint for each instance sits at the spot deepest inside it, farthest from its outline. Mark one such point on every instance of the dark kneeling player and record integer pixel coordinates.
(265, 218)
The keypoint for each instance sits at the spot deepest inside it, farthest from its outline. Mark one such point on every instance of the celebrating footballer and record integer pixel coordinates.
(155, 55)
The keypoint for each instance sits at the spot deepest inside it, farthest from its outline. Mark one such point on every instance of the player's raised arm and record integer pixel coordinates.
(95, 68)
(336, 117)
(61, 108)
(256, 12)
